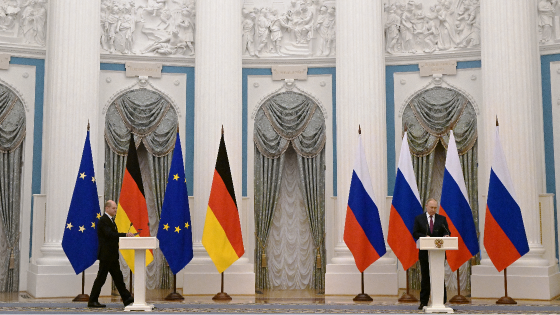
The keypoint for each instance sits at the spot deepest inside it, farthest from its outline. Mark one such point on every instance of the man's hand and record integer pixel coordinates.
(129, 234)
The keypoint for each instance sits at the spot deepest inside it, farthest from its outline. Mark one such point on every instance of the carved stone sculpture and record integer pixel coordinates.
(445, 25)
(160, 27)
(304, 28)
(546, 15)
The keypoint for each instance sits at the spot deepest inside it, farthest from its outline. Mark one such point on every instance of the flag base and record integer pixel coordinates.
(81, 298)
(459, 299)
(174, 296)
(407, 298)
(222, 296)
(506, 300)
(362, 297)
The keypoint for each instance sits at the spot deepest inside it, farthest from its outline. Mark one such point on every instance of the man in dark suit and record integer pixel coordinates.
(428, 223)
(108, 255)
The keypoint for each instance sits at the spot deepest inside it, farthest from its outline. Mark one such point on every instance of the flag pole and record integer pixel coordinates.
(174, 296)
(459, 299)
(363, 297)
(82, 297)
(407, 297)
(222, 296)
(505, 299)
(130, 281)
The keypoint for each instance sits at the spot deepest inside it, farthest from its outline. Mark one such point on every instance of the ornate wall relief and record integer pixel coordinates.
(23, 22)
(289, 28)
(148, 27)
(428, 26)
(549, 21)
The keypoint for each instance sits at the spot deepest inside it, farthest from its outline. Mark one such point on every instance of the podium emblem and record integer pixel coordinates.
(438, 242)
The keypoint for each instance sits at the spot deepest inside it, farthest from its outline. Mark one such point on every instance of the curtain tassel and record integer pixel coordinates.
(319, 264)
(12, 260)
(263, 261)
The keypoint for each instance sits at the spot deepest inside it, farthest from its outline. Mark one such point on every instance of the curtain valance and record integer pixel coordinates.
(148, 115)
(290, 117)
(432, 114)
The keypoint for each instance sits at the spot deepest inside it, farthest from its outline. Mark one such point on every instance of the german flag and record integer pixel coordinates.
(222, 231)
(132, 212)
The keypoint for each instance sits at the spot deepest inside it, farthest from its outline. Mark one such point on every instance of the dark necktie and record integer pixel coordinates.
(113, 220)
(431, 225)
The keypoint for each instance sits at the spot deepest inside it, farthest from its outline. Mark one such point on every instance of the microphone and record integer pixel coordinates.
(448, 233)
(137, 232)
(427, 229)
(129, 227)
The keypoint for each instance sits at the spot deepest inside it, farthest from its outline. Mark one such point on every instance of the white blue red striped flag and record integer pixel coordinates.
(363, 233)
(455, 206)
(504, 233)
(404, 209)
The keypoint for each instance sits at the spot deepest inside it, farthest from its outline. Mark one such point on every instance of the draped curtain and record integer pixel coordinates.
(289, 118)
(12, 134)
(429, 117)
(153, 121)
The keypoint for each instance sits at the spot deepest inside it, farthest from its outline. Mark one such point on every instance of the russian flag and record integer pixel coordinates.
(363, 233)
(504, 233)
(455, 206)
(404, 209)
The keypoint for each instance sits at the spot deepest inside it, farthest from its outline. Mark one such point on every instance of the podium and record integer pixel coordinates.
(139, 245)
(436, 247)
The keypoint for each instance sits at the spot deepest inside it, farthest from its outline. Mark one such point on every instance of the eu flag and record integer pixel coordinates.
(80, 235)
(175, 231)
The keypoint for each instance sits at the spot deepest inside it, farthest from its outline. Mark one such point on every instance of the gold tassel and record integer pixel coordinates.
(12, 260)
(319, 264)
(263, 261)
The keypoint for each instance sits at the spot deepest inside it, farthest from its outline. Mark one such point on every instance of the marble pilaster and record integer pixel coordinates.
(360, 93)
(511, 91)
(218, 101)
(71, 99)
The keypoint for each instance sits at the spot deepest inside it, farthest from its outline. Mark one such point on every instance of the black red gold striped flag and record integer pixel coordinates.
(132, 211)
(222, 230)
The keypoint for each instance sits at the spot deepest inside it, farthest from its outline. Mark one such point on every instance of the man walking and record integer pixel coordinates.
(108, 255)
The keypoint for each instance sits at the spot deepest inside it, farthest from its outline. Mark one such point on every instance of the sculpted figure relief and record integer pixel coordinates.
(443, 25)
(161, 27)
(546, 9)
(299, 28)
(34, 21)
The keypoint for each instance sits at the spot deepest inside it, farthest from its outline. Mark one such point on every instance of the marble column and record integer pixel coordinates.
(512, 92)
(218, 101)
(71, 99)
(360, 100)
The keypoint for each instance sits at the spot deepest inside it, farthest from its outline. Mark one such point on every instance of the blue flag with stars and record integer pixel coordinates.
(175, 231)
(80, 235)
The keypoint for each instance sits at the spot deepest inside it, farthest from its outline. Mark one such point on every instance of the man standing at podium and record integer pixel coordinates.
(429, 223)
(108, 255)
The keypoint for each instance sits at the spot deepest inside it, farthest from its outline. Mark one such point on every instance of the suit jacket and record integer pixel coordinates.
(422, 228)
(108, 237)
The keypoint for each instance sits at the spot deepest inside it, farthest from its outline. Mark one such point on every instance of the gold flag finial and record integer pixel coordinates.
(497, 121)
(88, 125)
(359, 129)
(222, 129)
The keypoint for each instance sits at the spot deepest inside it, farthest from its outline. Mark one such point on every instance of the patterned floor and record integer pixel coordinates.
(298, 303)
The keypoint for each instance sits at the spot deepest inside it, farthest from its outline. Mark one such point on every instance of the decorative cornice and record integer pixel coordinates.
(165, 60)
(23, 51)
(319, 62)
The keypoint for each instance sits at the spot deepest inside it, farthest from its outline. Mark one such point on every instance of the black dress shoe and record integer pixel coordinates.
(421, 306)
(129, 301)
(95, 304)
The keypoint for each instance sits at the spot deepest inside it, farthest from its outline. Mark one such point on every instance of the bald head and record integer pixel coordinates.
(110, 208)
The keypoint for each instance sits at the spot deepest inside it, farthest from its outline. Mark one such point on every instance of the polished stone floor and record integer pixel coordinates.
(272, 302)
